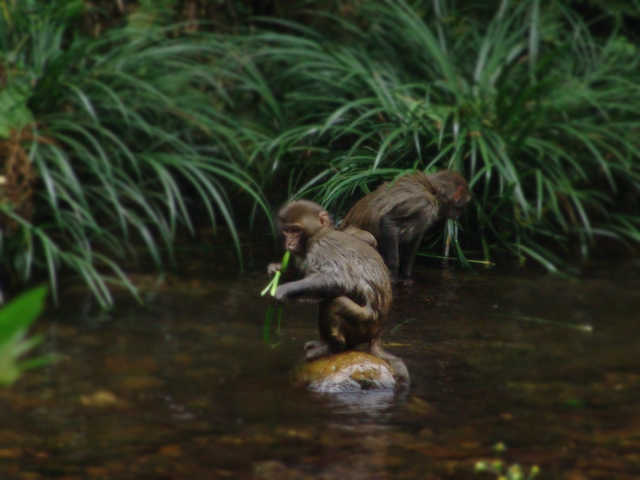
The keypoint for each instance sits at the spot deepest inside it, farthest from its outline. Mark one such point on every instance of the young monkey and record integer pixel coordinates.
(348, 278)
(399, 213)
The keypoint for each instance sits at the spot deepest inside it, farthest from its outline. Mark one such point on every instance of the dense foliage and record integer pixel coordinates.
(536, 111)
(104, 140)
(116, 122)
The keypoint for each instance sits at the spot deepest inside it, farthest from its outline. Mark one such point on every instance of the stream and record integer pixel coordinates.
(184, 387)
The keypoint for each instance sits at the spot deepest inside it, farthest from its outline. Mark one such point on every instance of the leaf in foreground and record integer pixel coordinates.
(15, 319)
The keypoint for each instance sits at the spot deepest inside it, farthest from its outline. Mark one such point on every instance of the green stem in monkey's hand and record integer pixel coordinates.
(273, 284)
(271, 288)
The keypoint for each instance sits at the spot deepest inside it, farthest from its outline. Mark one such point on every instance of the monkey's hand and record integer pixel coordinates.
(280, 296)
(273, 268)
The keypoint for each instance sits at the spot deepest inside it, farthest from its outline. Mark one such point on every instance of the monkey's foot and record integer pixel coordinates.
(404, 281)
(315, 349)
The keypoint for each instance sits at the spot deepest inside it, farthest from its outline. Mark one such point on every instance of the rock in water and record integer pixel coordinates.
(349, 371)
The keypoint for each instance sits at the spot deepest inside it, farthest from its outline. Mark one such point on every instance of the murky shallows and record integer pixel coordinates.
(185, 387)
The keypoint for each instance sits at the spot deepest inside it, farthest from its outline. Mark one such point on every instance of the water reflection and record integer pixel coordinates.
(186, 388)
(362, 408)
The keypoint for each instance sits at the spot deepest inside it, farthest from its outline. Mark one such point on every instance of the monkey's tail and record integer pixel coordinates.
(375, 348)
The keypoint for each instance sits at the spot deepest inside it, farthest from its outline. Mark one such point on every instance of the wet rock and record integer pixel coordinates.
(350, 371)
(101, 398)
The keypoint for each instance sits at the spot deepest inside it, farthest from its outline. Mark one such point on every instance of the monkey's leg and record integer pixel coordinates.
(337, 322)
(319, 348)
(347, 323)
(408, 254)
(389, 246)
(346, 310)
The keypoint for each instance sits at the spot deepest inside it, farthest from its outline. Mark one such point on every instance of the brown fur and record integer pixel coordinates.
(362, 235)
(399, 213)
(346, 275)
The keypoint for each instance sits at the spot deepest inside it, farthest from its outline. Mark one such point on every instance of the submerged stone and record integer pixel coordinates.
(350, 371)
(101, 398)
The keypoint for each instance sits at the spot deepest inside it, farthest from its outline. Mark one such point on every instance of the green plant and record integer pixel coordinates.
(108, 141)
(15, 319)
(538, 113)
(271, 289)
(503, 471)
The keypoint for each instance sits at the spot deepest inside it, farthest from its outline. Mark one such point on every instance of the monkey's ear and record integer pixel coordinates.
(324, 219)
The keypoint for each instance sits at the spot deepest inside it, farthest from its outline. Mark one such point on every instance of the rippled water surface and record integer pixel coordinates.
(185, 388)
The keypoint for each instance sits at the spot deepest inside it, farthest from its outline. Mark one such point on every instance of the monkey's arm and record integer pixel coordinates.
(389, 245)
(314, 287)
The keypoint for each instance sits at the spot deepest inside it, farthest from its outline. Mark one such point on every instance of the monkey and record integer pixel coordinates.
(399, 213)
(346, 275)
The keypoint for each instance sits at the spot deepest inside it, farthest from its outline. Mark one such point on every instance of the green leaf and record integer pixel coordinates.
(14, 113)
(15, 318)
(18, 315)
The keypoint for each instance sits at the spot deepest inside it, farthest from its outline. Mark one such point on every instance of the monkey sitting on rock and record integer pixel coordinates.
(346, 275)
(399, 213)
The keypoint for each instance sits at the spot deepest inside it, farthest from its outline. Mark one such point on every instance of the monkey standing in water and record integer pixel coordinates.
(346, 275)
(399, 213)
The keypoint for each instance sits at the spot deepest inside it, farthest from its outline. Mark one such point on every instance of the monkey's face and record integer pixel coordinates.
(299, 221)
(294, 238)
(460, 198)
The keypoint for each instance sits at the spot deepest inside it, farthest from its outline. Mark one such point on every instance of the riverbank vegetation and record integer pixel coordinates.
(121, 121)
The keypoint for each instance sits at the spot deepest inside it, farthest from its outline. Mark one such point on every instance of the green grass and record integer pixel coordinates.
(538, 113)
(123, 134)
(116, 139)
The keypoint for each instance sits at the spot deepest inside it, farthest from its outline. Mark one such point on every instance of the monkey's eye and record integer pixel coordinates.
(294, 230)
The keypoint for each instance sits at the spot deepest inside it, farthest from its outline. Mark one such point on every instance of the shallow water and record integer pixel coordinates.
(185, 388)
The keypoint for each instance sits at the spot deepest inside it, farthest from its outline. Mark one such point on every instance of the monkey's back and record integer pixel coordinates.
(408, 200)
(355, 267)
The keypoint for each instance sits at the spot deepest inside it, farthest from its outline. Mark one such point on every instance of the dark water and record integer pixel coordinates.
(185, 388)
